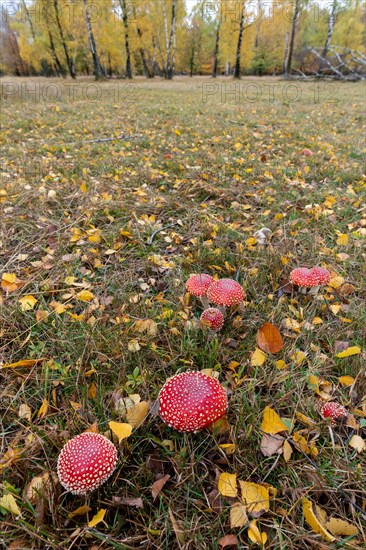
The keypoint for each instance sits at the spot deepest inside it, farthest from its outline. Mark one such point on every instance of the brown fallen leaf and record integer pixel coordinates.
(269, 338)
(228, 540)
(128, 501)
(158, 485)
(271, 444)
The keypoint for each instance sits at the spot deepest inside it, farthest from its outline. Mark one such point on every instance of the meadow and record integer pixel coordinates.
(111, 195)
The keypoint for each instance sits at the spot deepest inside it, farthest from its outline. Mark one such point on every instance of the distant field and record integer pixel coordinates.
(97, 236)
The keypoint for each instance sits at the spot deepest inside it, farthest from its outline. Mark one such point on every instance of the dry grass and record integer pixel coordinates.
(219, 166)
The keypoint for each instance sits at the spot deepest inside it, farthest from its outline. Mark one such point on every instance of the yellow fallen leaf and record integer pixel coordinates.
(43, 409)
(287, 451)
(40, 486)
(343, 239)
(83, 187)
(317, 321)
(79, 511)
(335, 308)
(10, 282)
(227, 485)
(85, 296)
(9, 504)
(121, 429)
(228, 448)
(341, 527)
(299, 357)
(336, 282)
(308, 447)
(238, 515)
(133, 345)
(255, 535)
(346, 380)
(258, 358)
(313, 521)
(280, 364)
(27, 302)
(271, 423)
(99, 516)
(356, 442)
(92, 391)
(137, 414)
(58, 307)
(305, 419)
(23, 363)
(255, 497)
(353, 350)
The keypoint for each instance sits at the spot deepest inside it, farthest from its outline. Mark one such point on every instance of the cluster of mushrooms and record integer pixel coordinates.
(189, 401)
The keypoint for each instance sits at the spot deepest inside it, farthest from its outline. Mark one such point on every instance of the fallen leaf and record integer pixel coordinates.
(356, 442)
(280, 364)
(43, 409)
(23, 363)
(271, 423)
(228, 540)
(9, 504)
(238, 515)
(308, 447)
(25, 412)
(99, 516)
(258, 358)
(79, 511)
(313, 521)
(27, 302)
(255, 535)
(343, 239)
(227, 485)
(40, 486)
(122, 430)
(255, 498)
(270, 444)
(85, 296)
(158, 485)
(10, 282)
(137, 414)
(287, 451)
(128, 501)
(269, 338)
(353, 350)
(346, 380)
(228, 448)
(341, 527)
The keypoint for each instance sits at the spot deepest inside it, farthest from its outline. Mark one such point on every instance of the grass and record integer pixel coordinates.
(218, 166)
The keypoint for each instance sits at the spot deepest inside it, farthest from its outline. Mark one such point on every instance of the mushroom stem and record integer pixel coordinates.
(205, 302)
(241, 307)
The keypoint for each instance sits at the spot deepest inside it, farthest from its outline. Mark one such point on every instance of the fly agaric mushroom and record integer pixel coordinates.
(86, 462)
(212, 318)
(304, 277)
(225, 292)
(191, 401)
(334, 411)
(198, 285)
(321, 274)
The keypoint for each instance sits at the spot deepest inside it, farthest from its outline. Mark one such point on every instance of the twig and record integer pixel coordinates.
(151, 239)
(104, 140)
(237, 122)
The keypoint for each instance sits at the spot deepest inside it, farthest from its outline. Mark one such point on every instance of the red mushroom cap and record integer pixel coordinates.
(199, 284)
(302, 276)
(212, 318)
(225, 292)
(334, 411)
(86, 462)
(321, 274)
(191, 401)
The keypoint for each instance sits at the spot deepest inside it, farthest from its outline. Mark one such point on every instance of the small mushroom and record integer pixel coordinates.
(225, 292)
(86, 462)
(310, 278)
(191, 401)
(333, 410)
(198, 284)
(321, 274)
(212, 318)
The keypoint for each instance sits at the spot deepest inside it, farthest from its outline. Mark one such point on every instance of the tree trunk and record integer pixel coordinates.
(331, 23)
(285, 54)
(293, 33)
(29, 19)
(170, 54)
(98, 69)
(240, 40)
(127, 44)
(64, 45)
(59, 68)
(216, 51)
(147, 72)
